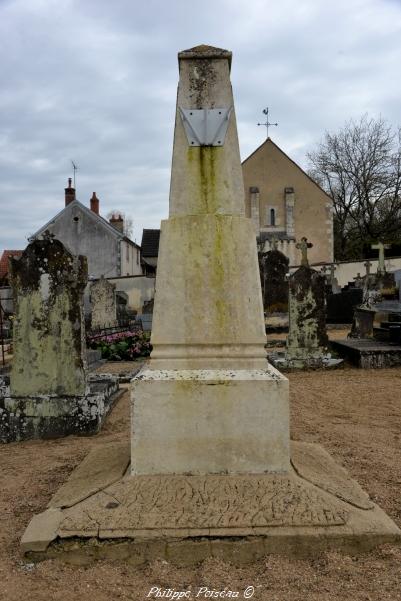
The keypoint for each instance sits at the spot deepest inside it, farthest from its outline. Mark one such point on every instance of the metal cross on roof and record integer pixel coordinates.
(267, 124)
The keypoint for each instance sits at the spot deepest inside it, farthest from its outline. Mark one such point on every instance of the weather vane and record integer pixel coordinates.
(267, 124)
(75, 168)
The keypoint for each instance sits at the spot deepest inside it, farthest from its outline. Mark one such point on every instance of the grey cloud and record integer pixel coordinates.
(95, 81)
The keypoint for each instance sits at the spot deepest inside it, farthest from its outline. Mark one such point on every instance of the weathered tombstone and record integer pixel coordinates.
(274, 282)
(210, 455)
(362, 325)
(103, 301)
(383, 280)
(49, 335)
(50, 394)
(307, 338)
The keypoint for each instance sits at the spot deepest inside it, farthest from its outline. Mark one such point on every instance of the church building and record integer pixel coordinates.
(286, 204)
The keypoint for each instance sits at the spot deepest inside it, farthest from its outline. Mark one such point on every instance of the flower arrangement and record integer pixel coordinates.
(122, 346)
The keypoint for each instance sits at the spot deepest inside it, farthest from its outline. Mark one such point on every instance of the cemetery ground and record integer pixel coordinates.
(355, 414)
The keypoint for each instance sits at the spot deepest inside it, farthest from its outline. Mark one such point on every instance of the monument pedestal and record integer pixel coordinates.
(103, 512)
(210, 421)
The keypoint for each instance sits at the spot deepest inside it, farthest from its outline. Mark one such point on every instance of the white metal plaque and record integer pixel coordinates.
(205, 127)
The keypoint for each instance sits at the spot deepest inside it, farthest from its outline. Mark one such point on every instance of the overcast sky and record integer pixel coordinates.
(95, 81)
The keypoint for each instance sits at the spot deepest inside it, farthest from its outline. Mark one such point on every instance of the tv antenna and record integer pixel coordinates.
(75, 168)
(267, 124)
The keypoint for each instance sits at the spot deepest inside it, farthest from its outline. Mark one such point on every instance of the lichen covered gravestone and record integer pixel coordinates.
(307, 338)
(50, 393)
(49, 338)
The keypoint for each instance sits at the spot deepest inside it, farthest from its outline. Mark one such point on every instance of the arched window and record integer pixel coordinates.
(272, 217)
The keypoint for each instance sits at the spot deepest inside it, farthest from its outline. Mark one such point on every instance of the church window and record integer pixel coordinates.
(272, 217)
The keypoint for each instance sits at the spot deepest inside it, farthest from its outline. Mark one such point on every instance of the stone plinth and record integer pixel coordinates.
(100, 513)
(209, 421)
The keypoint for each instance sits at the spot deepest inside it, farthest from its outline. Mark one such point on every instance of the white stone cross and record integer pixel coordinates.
(303, 247)
(381, 247)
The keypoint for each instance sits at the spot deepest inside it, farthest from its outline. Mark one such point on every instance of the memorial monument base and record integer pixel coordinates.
(102, 512)
(209, 421)
(50, 416)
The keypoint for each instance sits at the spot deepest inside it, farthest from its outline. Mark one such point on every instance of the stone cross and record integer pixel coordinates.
(274, 243)
(381, 247)
(367, 266)
(358, 280)
(303, 247)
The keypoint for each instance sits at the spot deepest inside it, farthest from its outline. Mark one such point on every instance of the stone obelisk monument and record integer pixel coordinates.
(209, 402)
(210, 459)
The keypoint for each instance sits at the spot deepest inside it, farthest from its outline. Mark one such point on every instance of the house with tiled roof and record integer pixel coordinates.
(4, 264)
(84, 231)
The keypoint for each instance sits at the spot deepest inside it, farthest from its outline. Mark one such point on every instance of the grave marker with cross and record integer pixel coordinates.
(303, 247)
(381, 248)
(367, 266)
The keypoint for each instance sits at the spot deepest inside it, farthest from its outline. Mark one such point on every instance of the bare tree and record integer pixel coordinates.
(360, 167)
(128, 222)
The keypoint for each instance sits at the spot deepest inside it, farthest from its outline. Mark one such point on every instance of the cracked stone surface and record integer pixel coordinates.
(204, 502)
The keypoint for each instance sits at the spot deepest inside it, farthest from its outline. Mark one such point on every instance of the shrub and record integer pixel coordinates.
(122, 346)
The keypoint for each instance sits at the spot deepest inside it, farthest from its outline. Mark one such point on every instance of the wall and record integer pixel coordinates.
(138, 288)
(346, 271)
(270, 170)
(130, 259)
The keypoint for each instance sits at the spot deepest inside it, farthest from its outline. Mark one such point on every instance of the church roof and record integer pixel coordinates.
(269, 141)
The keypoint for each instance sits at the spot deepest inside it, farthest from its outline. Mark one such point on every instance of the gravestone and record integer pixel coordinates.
(383, 280)
(274, 269)
(49, 335)
(210, 472)
(50, 393)
(307, 338)
(103, 301)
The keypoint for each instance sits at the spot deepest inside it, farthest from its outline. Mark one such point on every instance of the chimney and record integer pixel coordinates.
(95, 203)
(69, 193)
(117, 221)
